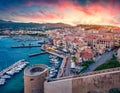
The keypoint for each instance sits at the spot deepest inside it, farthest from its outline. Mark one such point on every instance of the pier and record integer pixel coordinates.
(36, 54)
(9, 68)
(54, 53)
(26, 46)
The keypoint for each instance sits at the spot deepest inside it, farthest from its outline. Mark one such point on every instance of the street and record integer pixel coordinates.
(100, 60)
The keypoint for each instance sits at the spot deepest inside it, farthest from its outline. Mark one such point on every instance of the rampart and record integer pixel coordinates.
(92, 82)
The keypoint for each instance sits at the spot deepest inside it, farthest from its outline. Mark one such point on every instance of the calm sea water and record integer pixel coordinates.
(9, 55)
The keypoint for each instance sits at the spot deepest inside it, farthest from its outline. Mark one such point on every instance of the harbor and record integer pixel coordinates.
(50, 58)
(11, 70)
(54, 66)
(8, 56)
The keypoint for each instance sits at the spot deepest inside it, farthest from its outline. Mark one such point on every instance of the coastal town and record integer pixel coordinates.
(60, 46)
(72, 52)
(82, 47)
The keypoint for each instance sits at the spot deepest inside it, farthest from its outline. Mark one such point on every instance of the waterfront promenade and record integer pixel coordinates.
(54, 53)
(62, 67)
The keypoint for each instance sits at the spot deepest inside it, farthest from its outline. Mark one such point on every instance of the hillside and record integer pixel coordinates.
(30, 26)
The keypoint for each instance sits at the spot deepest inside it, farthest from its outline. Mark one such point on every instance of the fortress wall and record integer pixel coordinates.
(96, 83)
(62, 86)
(91, 83)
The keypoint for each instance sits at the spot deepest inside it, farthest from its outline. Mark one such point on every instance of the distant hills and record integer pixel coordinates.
(9, 25)
(30, 26)
(3, 21)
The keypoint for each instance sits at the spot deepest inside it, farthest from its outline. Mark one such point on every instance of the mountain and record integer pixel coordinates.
(30, 26)
(3, 21)
(97, 27)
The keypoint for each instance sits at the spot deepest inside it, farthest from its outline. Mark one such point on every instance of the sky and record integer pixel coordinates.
(66, 11)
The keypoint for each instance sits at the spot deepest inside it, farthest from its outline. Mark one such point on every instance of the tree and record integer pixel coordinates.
(114, 90)
(74, 59)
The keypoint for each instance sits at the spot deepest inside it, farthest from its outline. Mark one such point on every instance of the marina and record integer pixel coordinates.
(12, 83)
(54, 66)
(15, 68)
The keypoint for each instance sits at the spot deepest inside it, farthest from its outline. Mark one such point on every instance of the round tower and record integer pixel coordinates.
(34, 78)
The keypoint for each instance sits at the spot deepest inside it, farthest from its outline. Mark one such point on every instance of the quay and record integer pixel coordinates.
(26, 46)
(9, 68)
(54, 53)
(62, 67)
(36, 54)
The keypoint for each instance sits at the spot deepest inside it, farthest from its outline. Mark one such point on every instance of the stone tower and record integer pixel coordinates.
(34, 78)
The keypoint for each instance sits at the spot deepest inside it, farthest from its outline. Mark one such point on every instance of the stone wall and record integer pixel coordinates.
(62, 86)
(94, 82)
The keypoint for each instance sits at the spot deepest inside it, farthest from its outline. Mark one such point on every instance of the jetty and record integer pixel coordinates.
(55, 53)
(26, 46)
(36, 54)
(10, 67)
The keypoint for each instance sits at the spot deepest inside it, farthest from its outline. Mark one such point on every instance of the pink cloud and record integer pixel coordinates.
(91, 13)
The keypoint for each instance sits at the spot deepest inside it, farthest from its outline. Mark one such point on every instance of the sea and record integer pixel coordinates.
(9, 56)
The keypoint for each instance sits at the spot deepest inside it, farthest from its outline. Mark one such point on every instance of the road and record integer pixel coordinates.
(106, 56)
(67, 68)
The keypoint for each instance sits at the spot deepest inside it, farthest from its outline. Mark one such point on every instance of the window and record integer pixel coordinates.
(31, 79)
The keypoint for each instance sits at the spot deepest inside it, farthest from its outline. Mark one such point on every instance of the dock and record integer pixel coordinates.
(54, 53)
(8, 68)
(36, 54)
(26, 46)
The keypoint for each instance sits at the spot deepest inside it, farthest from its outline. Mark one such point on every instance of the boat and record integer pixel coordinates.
(41, 42)
(18, 67)
(54, 59)
(5, 77)
(52, 56)
(53, 70)
(52, 74)
(2, 81)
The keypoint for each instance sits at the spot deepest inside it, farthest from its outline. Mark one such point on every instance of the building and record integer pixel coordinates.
(34, 78)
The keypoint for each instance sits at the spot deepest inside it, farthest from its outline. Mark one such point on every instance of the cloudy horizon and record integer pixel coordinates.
(71, 12)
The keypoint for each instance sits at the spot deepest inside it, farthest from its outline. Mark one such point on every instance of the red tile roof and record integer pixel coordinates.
(91, 37)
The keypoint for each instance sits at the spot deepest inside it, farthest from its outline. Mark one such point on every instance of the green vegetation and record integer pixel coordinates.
(112, 63)
(114, 90)
(87, 63)
(74, 59)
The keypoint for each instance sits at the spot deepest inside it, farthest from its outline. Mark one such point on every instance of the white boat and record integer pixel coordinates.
(2, 81)
(53, 70)
(19, 66)
(52, 75)
(5, 76)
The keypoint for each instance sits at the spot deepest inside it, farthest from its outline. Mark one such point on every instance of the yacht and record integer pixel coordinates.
(52, 74)
(2, 81)
(5, 77)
